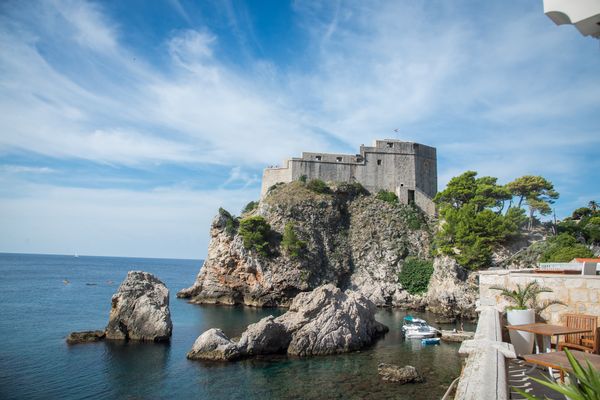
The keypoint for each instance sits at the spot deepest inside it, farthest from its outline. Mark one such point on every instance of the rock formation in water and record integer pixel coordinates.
(140, 310)
(401, 375)
(324, 321)
(85, 337)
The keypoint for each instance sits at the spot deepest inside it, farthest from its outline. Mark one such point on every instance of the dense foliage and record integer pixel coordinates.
(387, 196)
(318, 186)
(415, 275)
(564, 248)
(256, 234)
(290, 243)
(231, 223)
(473, 222)
(250, 207)
(583, 225)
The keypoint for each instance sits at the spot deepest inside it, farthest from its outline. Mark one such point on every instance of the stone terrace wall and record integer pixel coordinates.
(581, 293)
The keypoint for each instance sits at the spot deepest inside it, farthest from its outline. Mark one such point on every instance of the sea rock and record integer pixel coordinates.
(457, 336)
(394, 373)
(85, 337)
(140, 310)
(324, 321)
(329, 321)
(265, 337)
(214, 345)
(452, 290)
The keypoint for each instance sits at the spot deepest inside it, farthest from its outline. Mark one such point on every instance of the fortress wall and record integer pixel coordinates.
(326, 171)
(426, 170)
(388, 164)
(272, 176)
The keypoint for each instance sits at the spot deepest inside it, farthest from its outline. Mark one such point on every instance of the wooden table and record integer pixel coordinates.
(546, 331)
(558, 360)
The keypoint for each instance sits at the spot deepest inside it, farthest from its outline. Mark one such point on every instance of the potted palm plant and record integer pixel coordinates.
(524, 310)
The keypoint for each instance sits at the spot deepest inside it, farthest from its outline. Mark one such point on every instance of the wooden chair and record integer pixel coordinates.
(589, 341)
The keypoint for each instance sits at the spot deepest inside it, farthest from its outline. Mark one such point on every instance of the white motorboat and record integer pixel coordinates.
(415, 328)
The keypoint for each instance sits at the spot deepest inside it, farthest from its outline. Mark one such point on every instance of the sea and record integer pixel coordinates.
(44, 297)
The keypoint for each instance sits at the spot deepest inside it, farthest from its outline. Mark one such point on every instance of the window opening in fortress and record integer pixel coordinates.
(318, 158)
(390, 144)
(338, 159)
(378, 162)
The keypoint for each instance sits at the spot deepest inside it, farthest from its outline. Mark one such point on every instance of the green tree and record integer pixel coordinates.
(466, 188)
(564, 248)
(537, 192)
(593, 205)
(592, 230)
(256, 233)
(473, 224)
(581, 212)
(290, 243)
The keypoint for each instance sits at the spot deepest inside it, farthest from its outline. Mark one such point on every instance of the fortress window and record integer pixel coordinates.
(338, 159)
(378, 162)
(390, 144)
(318, 158)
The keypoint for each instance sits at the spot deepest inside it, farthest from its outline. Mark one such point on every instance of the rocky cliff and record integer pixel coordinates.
(353, 241)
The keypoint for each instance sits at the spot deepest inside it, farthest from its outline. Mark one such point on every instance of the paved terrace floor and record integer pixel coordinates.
(517, 377)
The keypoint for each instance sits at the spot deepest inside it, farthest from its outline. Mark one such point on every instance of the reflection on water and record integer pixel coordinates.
(36, 363)
(131, 368)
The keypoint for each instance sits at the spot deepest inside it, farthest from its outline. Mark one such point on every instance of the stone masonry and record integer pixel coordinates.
(405, 168)
(580, 293)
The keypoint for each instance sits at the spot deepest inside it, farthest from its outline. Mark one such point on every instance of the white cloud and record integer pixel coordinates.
(167, 222)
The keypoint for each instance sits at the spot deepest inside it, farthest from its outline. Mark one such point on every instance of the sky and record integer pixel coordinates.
(125, 125)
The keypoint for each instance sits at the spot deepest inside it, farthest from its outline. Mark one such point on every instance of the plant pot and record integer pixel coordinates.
(522, 341)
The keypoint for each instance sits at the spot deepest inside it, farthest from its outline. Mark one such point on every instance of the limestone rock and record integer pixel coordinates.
(324, 321)
(329, 321)
(457, 336)
(85, 337)
(214, 345)
(353, 241)
(140, 310)
(264, 337)
(452, 291)
(394, 373)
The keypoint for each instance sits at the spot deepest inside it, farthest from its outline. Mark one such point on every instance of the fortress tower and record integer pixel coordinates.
(405, 168)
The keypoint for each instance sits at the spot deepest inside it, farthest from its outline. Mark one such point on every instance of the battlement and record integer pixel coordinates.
(406, 168)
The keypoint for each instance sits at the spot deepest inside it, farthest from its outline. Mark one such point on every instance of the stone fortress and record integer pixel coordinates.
(405, 168)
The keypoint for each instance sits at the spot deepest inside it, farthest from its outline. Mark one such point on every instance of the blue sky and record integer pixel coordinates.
(124, 125)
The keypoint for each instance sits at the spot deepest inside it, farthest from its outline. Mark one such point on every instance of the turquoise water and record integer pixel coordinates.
(39, 310)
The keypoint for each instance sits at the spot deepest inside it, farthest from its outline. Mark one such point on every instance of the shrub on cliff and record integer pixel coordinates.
(231, 223)
(290, 243)
(256, 233)
(318, 186)
(250, 207)
(387, 196)
(564, 248)
(415, 275)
